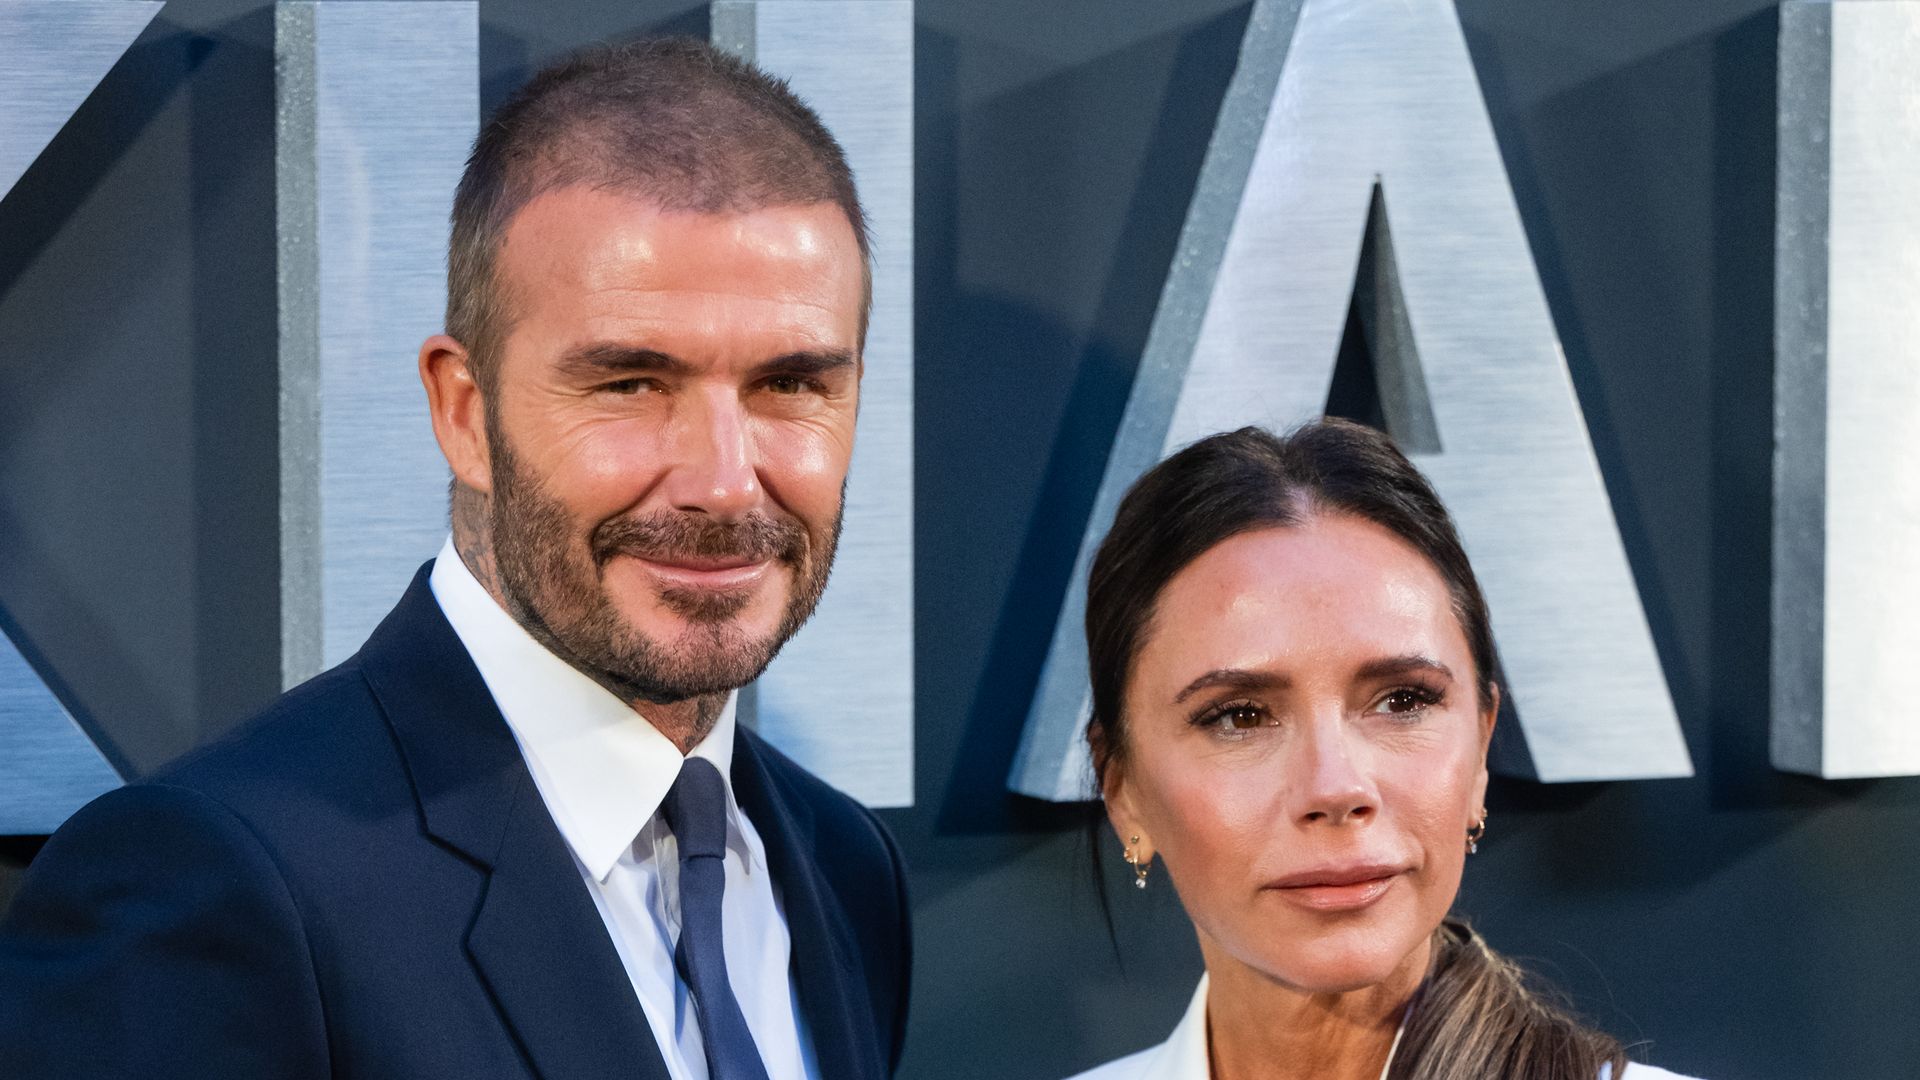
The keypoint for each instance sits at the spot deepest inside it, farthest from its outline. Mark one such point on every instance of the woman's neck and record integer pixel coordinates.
(1259, 1029)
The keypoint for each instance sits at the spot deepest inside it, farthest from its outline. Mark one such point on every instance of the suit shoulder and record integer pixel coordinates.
(318, 759)
(322, 728)
(156, 821)
(144, 853)
(155, 916)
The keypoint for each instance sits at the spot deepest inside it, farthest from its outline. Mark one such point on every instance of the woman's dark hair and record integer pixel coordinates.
(1242, 481)
(1474, 1016)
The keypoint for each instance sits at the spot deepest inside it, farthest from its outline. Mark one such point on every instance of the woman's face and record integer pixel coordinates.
(1305, 751)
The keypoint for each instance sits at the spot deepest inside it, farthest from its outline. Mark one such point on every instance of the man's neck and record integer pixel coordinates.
(473, 539)
(684, 722)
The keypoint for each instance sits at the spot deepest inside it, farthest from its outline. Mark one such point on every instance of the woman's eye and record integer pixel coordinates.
(1407, 699)
(1235, 717)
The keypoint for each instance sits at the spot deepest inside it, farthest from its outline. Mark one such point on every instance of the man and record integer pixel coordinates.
(520, 832)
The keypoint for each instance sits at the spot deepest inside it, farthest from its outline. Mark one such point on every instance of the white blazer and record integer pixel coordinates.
(1184, 1055)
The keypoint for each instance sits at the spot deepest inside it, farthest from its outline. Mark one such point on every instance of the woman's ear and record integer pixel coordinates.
(1488, 719)
(1117, 793)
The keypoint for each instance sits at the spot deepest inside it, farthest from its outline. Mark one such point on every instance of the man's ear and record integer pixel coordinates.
(458, 409)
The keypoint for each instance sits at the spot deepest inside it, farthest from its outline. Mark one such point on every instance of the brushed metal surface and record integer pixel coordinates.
(1052, 761)
(1846, 458)
(48, 766)
(52, 55)
(1250, 322)
(839, 699)
(377, 105)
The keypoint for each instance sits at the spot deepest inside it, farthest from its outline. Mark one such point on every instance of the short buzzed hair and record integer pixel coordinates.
(673, 120)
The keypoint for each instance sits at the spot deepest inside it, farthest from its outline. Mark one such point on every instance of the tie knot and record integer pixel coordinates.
(696, 810)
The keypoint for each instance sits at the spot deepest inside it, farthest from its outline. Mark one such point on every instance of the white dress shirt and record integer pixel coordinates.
(603, 771)
(1184, 1055)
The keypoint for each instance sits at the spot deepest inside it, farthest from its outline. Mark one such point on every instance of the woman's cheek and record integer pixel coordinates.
(1220, 821)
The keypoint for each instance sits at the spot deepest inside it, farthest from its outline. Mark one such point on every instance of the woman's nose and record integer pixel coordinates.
(1332, 786)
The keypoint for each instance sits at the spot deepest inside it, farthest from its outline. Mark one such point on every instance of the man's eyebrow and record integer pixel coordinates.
(601, 360)
(805, 362)
(1235, 678)
(1395, 666)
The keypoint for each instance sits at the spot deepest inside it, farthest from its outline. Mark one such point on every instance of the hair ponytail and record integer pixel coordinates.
(1476, 1018)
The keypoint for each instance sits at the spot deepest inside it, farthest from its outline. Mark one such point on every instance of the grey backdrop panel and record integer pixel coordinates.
(839, 699)
(48, 766)
(52, 54)
(1847, 388)
(1250, 321)
(378, 103)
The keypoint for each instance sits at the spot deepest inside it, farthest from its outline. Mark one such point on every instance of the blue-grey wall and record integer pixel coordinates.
(1749, 924)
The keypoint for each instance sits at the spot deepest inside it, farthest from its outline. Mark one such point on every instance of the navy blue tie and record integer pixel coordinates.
(696, 811)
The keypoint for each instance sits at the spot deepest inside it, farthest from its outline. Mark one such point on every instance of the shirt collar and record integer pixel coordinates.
(601, 768)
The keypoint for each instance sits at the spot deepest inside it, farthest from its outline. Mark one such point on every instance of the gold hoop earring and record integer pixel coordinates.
(1140, 867)
(1475, 833)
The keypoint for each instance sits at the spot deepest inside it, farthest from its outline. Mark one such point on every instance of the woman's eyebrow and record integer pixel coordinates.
(1394, 666)
(1236, 678)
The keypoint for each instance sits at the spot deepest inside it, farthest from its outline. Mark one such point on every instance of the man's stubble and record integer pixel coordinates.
(558, 594)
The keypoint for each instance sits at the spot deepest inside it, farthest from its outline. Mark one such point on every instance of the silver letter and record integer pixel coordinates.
(1846, 577)
(377, 104)
(1335, 105)
(52, 54)
(840, 697)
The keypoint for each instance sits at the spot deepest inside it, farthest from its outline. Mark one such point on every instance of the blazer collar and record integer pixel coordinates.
(826, 964)
(465, 766)
(537, 939)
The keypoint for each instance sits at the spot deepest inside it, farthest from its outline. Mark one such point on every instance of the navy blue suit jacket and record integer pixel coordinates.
(364, 882)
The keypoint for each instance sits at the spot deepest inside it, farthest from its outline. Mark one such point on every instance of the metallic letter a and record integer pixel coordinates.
(1353, 169)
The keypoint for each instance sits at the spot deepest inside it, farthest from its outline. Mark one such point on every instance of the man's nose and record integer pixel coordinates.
(1331, 784)
(715, 467)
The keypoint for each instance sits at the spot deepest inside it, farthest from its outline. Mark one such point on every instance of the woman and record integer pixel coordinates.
(1294, 683)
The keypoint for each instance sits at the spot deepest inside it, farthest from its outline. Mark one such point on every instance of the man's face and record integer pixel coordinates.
(669, 432)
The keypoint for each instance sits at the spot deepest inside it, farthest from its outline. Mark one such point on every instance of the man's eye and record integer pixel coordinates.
(626, 386)
(788, 384)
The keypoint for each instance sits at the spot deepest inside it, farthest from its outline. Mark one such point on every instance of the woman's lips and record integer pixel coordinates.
(1338, 888)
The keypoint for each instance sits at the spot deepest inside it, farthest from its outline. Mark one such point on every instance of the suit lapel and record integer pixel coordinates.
(537, 939)
(825, 964)
(542, 948)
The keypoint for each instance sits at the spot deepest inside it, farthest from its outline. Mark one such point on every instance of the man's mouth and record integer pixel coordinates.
(706, 572)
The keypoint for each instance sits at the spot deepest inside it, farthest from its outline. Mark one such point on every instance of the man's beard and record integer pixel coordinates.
(559, 594)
